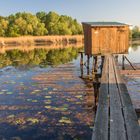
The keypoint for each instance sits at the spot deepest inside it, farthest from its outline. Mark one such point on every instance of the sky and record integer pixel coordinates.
(126, 11)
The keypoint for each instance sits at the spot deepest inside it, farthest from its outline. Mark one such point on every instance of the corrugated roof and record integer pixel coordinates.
(105, 23)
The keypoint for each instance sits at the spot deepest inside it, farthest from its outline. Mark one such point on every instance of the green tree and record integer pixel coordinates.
(136, 32)
(3, 27)
(42, 16)
(23, 23)
(26, 24)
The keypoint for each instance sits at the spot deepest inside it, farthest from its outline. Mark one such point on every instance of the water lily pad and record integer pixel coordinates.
(29, 100)
(48, 97)
(65, 105)
(48, 107)
(78, 96)
(60, 108)
(1, 92)
(37, 90)
(65, 120)
(34, 101)
(47, 102)
(45, 88)
(33, 120)
(9, 92)
(11, 116)
(13, 82)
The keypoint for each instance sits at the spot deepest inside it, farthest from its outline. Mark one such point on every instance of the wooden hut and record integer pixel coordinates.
(105, 37)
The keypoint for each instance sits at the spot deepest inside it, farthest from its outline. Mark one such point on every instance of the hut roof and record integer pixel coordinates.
(95, 24)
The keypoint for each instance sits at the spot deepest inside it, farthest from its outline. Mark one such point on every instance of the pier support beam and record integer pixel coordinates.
(123, 62)
(81, 65)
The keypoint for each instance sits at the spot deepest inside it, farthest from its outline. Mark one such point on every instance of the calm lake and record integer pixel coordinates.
(42, 96)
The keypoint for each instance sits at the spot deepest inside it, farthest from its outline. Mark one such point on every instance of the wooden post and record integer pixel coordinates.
(116, 57)
(102, 62)
(95, 63)
(96, 85)
(81, 64)
(93, 73)
(88, 61)
(123, 62)
(130, 63)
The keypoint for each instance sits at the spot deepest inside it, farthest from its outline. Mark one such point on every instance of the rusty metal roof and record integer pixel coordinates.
(105, 24)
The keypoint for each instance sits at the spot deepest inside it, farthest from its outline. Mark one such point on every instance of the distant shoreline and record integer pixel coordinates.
(50, 40)
(41, 40)
(135, 41)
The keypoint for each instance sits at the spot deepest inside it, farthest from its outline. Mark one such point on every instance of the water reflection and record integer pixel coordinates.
(135, 47)
(134, 54)
(42, 57)
(45, 103)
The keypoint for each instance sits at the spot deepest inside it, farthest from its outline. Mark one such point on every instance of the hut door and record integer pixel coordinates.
(105, 40)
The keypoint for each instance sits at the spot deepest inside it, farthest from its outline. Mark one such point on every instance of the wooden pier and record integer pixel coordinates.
(115, 118)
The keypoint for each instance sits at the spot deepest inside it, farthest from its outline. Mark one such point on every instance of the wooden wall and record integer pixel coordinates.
(103, 40)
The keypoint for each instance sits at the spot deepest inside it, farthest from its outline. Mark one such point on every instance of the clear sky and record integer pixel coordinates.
(127, 11)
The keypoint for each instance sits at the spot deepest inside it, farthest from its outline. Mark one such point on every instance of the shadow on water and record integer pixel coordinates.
(42, 97)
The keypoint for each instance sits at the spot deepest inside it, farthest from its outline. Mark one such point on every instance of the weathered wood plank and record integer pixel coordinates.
(131, 121)
(117, 124)
(100, 131)
(116, 118)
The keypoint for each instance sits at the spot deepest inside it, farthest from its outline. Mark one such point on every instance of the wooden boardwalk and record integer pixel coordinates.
(116, 118)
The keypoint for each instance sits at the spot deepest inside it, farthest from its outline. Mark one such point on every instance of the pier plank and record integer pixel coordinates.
(117, 127)
(130, 117)
(115, 118)
(101, 121)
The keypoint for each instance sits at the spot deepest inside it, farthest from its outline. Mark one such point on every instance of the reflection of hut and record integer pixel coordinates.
(105, 37)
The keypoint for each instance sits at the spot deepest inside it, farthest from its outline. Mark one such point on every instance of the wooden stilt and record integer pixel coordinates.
(93, 73)
(81, 65)
(123, 62)
(116, 57)
(102, 62)
(130, 63)
(95, 63)
(88, 61)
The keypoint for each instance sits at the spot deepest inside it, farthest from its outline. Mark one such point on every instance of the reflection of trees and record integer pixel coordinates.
(135, 47)
(40, 57)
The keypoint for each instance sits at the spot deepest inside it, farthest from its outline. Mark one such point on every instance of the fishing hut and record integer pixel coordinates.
(116, 118)
(101, 38)
(105, 37)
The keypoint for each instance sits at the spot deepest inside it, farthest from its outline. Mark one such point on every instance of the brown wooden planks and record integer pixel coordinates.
(106, 39)
(131, 120)
(100, 131)
(117, 124)
(116, 118)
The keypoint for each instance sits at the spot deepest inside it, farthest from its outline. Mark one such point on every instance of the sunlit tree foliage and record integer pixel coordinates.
(21, 24)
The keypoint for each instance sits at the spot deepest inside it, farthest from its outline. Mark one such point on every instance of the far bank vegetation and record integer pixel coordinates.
(40, 24)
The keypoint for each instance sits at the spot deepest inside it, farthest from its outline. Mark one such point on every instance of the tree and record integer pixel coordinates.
(136, 32)
(42, 16)
(26, 24)
(3, 27)
(23, 23)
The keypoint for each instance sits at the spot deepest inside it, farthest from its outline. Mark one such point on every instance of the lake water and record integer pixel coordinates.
(133, 82)
(42, 96)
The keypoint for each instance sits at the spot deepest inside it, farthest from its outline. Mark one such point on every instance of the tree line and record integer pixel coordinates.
(42, 23)
(135, 32)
